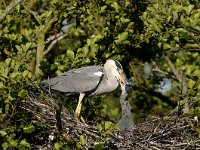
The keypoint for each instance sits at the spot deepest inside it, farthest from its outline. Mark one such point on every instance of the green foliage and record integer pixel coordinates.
(82, 142)
(61, 145)
(139, 34)
(106, 127)
(98, 145)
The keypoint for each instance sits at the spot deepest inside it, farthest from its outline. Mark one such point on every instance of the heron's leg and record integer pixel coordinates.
(78, 108)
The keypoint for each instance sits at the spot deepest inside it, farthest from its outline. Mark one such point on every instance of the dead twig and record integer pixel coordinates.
(9, 9)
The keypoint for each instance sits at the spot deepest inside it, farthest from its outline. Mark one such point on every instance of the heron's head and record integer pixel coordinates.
(115, 68)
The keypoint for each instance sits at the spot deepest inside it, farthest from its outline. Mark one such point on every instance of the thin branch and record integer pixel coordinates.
(159, 95)
(184, 92)
(34, 14)
(53, 37)
(54, 42)
(173, 69)
(162, 73)
(182, 80)
(9, 9)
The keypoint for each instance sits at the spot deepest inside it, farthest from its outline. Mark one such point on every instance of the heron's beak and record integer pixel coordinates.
(122, 77)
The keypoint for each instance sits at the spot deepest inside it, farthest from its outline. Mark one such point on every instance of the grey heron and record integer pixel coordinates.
(87, 81)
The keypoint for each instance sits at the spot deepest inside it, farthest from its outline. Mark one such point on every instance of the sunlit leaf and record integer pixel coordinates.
(29, 129)
(83, 140)
(98, 145)
(24, 143)
(23, 93)
(70, 54)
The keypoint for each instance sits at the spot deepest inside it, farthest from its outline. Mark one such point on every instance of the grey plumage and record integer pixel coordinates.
(126, 121)
(88, 81)
(75, 81)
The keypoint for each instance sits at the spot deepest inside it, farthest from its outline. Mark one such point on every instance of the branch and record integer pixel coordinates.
(184, 92)
(9, 9)
(156, 94)
(34, 14)
(162, 73)
(54, 42)
(41, 43)
(182, 81)
(173, 69)
(53, 37)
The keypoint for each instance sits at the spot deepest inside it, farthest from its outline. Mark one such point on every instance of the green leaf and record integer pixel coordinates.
(25, 73)
(5, 145)
(2, 85)
(29, 129)
(83, 140)
(103, 8)
(3, 133)
(92, 54)
(14, 75)
(176, 39)
(98, 145)
(70, 54)
(24, 143)
(108, 125)
(23, 93)
(193, 92)
(13, 143)
(183, 34)
(18, 48)
(57, 146)
(7, 107)
(27, 46)
(116, 6)
(189, 9)
(188, 46)
(8, 61)
(121, 37)
(124, 20)
(85, 50)
(99, 127)
(127, 3)
(166, 46)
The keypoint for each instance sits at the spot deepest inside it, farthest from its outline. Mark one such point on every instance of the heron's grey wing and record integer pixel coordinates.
(78, 80)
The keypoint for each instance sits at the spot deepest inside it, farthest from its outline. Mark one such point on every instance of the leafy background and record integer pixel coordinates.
(156, 41)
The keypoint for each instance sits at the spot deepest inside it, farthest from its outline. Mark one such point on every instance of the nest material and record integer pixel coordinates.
(154, 133)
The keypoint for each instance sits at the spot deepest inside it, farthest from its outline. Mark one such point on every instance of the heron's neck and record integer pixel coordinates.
(111, 79)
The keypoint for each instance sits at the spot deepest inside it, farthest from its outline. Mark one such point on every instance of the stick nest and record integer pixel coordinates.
(154, 133)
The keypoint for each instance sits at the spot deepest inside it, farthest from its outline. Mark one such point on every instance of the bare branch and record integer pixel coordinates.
(53, 37)
(173, 69)
(54, 42)
(184, 91)
(182, 80)
(9, 9)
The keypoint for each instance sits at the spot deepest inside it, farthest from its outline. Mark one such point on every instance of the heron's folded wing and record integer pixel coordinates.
(78, 80)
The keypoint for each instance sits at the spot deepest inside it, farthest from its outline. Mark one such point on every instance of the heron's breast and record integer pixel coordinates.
(106, 87)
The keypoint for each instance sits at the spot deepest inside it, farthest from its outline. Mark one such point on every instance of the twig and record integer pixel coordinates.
(34, 14)
(182, 81)
(9, 9)
(54, 42)
(53, 37)
(184, 92)
(173, 69)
